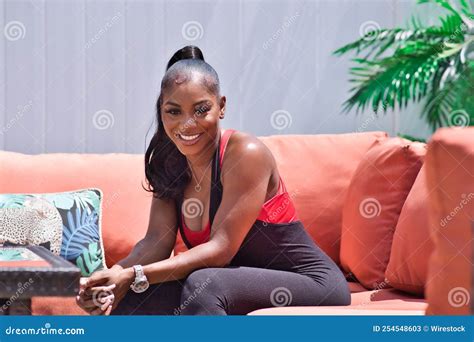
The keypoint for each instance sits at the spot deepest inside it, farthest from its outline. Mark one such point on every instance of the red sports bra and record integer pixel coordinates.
(278, 209)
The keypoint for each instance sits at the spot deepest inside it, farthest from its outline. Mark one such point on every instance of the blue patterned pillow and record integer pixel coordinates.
(80, 212)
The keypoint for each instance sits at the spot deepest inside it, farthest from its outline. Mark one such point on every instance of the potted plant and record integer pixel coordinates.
(433, 63)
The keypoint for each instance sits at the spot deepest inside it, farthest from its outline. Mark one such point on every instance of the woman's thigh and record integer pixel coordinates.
(239, 290)
(158, 299)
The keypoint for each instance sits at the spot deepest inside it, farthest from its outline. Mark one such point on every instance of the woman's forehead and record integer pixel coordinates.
(191, 91)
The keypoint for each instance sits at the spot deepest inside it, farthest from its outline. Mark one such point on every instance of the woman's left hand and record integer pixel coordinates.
(122, 278)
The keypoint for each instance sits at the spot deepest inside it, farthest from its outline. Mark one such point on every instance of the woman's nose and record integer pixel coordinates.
(189, 120)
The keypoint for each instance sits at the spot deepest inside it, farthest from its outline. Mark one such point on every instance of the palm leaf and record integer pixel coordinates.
(424, 62)
(90, 260)
(79, 232)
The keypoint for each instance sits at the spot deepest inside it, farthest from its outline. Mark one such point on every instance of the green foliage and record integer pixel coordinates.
(406, 65)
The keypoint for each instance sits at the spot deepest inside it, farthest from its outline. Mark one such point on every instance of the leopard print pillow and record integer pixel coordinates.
(38, 223)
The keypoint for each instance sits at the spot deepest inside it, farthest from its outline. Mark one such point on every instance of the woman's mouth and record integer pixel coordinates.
(188, 139)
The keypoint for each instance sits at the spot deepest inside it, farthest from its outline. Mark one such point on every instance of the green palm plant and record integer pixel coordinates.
(434, 63)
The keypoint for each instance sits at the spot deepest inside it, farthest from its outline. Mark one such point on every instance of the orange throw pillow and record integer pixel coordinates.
(450, 177)
(375, 198)
(407, 269)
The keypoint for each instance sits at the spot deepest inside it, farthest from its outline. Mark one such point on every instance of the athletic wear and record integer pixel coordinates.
(278, 209)
(277, 264)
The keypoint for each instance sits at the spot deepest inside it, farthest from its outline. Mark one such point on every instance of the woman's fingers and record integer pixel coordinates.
(82, 283)
(91, 291)
(93, 302)
(104, 309)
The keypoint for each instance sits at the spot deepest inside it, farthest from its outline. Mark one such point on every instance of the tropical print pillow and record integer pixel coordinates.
(80, 213)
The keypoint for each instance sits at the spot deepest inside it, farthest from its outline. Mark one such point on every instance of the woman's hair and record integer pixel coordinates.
(166, 168)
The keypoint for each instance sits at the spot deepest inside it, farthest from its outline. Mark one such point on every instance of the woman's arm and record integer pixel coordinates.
(245, 178)
(159, 239)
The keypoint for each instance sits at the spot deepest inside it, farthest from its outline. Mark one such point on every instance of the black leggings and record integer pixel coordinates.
(277, 265)
(231, 291)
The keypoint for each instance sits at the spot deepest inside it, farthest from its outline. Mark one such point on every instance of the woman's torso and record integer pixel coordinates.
(277, 239)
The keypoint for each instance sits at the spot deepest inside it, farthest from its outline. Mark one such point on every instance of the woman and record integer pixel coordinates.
(246, 248)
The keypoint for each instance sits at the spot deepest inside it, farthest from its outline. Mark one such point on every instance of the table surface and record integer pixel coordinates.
(41, 274)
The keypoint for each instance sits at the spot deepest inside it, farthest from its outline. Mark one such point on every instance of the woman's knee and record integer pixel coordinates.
(199, 280)
(339, 294)
(202, 294)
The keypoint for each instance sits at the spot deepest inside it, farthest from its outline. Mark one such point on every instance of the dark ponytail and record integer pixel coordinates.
(166, 168)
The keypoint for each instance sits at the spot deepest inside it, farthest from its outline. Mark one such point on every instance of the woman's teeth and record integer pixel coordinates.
(188, 137)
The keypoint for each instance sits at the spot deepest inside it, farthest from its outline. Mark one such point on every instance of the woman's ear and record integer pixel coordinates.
(222, 103)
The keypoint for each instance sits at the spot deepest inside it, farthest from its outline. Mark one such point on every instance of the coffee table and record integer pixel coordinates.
(29, 271)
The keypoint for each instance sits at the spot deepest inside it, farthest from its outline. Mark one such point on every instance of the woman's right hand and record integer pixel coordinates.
(97, 302)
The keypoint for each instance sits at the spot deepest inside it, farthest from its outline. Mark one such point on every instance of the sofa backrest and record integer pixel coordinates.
(316, 170)
(125, 206)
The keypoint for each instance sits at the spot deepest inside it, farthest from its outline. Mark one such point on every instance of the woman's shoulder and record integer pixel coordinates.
(245, 147)
(246, 143)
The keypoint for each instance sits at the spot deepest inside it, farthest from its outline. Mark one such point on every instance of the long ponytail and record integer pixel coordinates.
(166, 169)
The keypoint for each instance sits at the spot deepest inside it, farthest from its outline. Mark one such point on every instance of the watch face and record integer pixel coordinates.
(140, 286)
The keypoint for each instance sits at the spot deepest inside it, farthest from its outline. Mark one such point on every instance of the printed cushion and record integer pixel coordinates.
(80, 213)
(29, 226)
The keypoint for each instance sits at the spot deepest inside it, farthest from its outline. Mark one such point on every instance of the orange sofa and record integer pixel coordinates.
(421, 273)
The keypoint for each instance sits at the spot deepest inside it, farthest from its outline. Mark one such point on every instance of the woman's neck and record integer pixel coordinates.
(200, 162)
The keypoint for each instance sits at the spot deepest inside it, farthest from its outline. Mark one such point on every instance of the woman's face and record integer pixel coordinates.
(190, 115)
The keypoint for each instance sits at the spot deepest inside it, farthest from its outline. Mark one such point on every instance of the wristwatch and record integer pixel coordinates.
(140, 283)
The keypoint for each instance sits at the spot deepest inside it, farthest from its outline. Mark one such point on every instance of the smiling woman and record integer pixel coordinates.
(221, 189)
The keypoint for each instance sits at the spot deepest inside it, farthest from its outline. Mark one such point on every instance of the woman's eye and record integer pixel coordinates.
(202, 110)
(173, 112)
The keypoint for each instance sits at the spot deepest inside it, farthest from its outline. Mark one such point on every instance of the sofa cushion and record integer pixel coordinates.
(78, 238)
(450, 178)
(54, 306)
(317, 170)
(125, 207)
(336, 311)
(375, 198)
(376, 302)
(408, 266)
